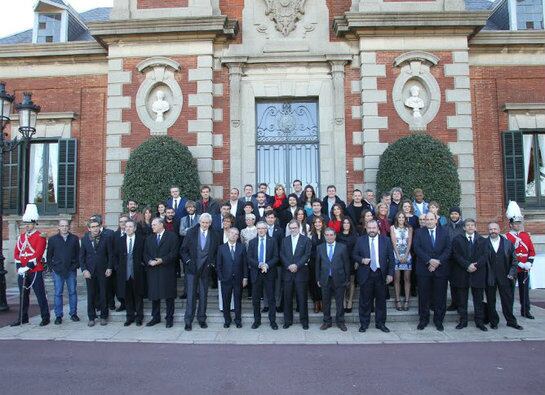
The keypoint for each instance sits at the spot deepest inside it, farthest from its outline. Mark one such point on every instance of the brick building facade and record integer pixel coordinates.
(479, 75)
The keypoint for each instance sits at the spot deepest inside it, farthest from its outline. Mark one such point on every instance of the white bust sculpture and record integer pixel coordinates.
(160, 106)
(415, 102)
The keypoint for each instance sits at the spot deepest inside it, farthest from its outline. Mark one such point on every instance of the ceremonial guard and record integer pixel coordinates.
(29, 250)
(524, 253)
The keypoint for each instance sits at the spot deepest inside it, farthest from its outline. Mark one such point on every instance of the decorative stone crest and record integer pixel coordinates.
(416, 93)
(159, 99)
(285, 14)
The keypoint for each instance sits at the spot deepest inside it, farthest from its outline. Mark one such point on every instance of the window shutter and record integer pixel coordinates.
(67, 176)
(11, 181)
(513, 167)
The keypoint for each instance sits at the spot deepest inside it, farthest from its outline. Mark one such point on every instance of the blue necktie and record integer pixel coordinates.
(261, 250)
(330, 256)
(432, 234)
(203, 240)
(158, 239)
(233, 252)
(373, 255)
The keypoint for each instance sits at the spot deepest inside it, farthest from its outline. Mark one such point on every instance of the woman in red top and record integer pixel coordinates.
(336, 221)
(280, 202)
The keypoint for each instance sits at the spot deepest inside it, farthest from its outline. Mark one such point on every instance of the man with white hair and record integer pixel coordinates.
(198, 256)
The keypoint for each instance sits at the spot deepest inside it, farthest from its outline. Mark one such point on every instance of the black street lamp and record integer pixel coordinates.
(28, 114)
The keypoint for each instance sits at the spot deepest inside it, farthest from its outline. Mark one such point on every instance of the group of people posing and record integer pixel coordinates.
(278, 247)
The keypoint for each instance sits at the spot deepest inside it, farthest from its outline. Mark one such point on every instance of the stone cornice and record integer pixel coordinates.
(365, 24)
(507, 107)
(114, 29)
(75, 48)
(509, 37)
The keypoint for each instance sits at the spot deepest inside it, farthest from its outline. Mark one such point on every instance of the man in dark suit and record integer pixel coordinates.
(454, 227)
(332, 276)
(217, 219)
(374, 257)
(236, 208)
(432, 247)
(260, 206)
(294, 257)
(112, 291)
(469, 270)
(262, 262)
(277, 233)
(248, 194)
(331, 199)
(286, 215)
(96, 260)
(198, 256)
(160, 255)
(232, 271)
(262, 187)
(131, 275)
(177, 202)
(207, 204)
(63, 260)
(501, 274)
(317, 212)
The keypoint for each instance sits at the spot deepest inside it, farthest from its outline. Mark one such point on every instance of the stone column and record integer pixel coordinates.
(235, 77)
(339, 160)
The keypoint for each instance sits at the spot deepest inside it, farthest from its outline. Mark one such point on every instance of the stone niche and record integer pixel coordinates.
(159, 99)
(416, 93)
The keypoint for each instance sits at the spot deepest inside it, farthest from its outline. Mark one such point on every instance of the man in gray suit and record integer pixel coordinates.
(332, 275)
(198, 255)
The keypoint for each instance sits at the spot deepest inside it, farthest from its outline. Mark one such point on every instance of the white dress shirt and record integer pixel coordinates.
(495, 243)
(234, 207)
(376, 249)
(294, 240)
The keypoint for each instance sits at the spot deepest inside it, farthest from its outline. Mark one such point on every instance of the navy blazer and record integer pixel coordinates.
(385, 258)
(299, 258)
(425, 251)
(180, 212)
(339, 265)
(63, 256)
(230, 270)
(271, 258)
(464, 255)
(99, 259)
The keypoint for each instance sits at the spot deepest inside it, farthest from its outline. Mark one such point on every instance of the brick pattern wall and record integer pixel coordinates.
(491, 88)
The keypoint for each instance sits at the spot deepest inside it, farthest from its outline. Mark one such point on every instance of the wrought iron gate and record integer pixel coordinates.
(287, 142)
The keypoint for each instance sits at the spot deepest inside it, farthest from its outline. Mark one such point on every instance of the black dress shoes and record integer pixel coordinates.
(274, 326)
(169, 324)
(279, 309)
(188, 327)
(362, 329)
(383, 328)
(325, 326)
(305, 327)
(58, 320)
(128, 322)
(203, 325)
(226, 325)
(153, 322)
(120, 308)
(461, 325)
(44, 322)
(256, 325)
(138, 322)
(74, 318)
(439, 327)
(493, 326)
(482, 327)
(529, 316)
(515, 326)
(17, 323)
(286, 326)
(421, 326)
(452, 308)
(238, 325)
(265, 310)
(342, 326)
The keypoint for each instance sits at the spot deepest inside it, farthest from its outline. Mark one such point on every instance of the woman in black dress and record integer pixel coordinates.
(146, 223)
(316, 235)
(348, 237)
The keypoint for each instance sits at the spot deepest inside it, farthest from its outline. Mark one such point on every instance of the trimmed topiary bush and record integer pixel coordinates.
(154, 167)
(420, 161)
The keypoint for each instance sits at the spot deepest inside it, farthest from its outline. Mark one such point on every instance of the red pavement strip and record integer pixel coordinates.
(53, 367)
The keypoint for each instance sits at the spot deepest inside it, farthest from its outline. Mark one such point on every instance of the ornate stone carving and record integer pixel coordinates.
(415, 102)
(285, 14)
(160, 106)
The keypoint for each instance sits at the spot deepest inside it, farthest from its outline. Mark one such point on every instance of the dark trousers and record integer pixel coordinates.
(37, 281)
(507, 296)
(301, 294)
(431, 288)
(328, 292)
(156, 309)
(197, 283)
(111, 291)
(374, 289)
(96, 295)
(478, 306)
(230, 289)
(453, 296)
(263, 281)
(314, 290)
(524, 293)
(134, 302)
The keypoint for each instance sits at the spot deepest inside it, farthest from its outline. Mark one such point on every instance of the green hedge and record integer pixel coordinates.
(420, 161)
(154, 167)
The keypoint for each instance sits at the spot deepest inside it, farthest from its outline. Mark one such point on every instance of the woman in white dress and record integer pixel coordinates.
(401, 234)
